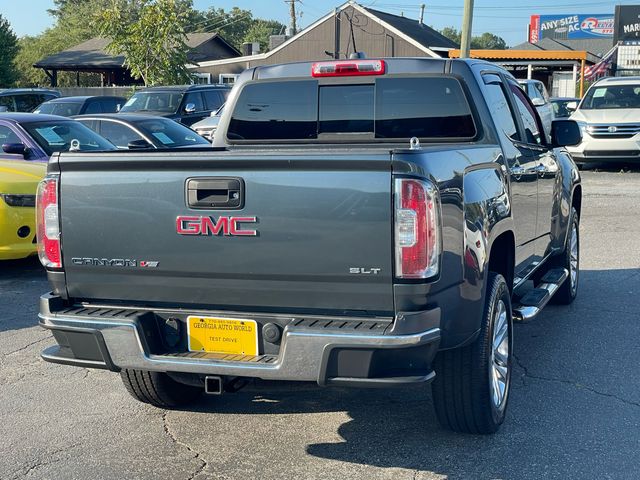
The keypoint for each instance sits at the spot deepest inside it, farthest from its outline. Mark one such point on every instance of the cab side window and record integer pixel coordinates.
(532, 127)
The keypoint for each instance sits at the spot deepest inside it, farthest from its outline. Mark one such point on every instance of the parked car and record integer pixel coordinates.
(322, 243)
(186, 104)
(207, 127)
(70, 106)
(609, 116)
(563, 107)
(138, 131)
(540, 98)
(31, 136)
(24, 99)
(18, 184)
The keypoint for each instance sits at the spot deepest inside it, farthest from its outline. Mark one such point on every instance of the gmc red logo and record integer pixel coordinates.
(228, 226)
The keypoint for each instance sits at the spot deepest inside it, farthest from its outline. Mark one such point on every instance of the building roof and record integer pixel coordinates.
(596, 48)
(419, 35)
(92, 53)
(524, 54)
(420, 32)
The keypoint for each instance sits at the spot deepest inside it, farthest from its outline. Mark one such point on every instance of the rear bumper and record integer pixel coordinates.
(350, 357)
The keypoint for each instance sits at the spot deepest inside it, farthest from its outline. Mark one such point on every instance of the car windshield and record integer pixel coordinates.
(61, 136)
(166, 102)
(65, 109)
(169, 134)
(612, 97)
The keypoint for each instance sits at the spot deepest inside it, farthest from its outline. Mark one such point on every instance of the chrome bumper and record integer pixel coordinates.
(304, 352)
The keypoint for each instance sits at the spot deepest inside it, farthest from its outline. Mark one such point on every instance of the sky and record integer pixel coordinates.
(29, 17)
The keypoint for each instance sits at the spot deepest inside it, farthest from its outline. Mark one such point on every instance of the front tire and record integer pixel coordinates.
(158, 389)
(570, 260)
(472, 384)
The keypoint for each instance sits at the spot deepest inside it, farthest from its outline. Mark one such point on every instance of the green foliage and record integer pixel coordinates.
(8, 52)
(150, 33)
(151, 36)
(73, 26)
(236, 26)
(487, 40)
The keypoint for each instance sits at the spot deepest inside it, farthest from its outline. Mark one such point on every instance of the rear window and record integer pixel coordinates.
(389, 108)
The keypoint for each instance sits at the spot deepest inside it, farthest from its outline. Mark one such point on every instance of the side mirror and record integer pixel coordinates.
(14, 148)
(139, 144)
(537, 102)
(190, 108)
(572, 106)
(565, 133)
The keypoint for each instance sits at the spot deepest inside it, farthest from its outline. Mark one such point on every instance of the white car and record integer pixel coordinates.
(540, 98)
(609, 118)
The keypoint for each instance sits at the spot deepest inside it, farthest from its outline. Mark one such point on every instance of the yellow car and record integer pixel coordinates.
(18, 183)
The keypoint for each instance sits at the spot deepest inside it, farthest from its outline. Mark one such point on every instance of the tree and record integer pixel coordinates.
(8, 52)
(452, 34)
(487, 40)
(261, 30)
(73, 26)
(236, 26)
(151, 36)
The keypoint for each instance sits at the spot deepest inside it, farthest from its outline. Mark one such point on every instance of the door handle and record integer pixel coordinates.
(215, 193)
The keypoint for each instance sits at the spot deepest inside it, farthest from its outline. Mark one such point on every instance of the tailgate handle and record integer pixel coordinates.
(215, 193)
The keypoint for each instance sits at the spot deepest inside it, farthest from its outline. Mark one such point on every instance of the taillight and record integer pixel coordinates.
(347, 68)
(417, 236)
(48, 223)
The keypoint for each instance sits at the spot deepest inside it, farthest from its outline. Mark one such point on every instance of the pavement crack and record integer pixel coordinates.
(174, 439)
(42, 462)
(572, 383)
(27, 346)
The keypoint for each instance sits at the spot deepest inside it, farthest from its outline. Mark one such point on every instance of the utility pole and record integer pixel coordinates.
(292, 14)
(467, 19)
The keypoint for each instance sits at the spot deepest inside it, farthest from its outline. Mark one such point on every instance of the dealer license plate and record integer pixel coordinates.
(222, 335)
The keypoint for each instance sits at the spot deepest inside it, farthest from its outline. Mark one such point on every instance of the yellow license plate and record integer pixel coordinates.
(222, 335)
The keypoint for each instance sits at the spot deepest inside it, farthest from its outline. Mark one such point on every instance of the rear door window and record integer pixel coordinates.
(8, 102)
(532, 126)
(93, 107)
(213, 99)
(502, 114)
(386, 108)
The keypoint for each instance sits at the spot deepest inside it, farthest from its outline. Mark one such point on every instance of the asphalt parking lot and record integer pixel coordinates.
(574, 410)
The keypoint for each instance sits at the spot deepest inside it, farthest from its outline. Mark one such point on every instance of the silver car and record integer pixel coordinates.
(207, 127)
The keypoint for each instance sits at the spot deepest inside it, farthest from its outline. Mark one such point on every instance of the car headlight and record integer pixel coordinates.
(19, 200)
(583, 127)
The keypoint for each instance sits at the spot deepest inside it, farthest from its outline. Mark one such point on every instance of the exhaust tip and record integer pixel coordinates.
(213, 385)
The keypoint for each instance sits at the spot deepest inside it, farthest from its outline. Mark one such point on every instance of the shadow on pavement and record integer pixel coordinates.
(566, 402)
(21, 284)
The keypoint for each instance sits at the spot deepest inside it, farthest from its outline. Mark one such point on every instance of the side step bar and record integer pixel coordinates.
(532, 303)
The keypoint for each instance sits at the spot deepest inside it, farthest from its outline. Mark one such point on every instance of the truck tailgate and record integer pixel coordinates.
(323, 230)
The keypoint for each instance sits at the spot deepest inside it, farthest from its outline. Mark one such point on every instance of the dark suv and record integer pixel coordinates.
(186, 104)
(69, 106)
(24, 99)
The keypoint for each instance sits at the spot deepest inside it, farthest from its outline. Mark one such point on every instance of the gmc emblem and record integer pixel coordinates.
(227, 226)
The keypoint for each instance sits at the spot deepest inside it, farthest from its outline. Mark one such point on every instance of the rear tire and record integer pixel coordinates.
(472, 384)
(158, 389)
(570, 260)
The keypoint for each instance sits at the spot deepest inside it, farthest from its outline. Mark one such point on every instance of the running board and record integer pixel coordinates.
(532, 303)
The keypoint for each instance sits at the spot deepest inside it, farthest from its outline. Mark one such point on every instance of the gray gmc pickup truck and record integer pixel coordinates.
(366, 223)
